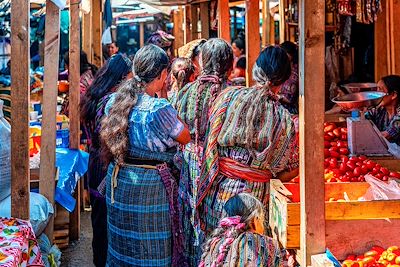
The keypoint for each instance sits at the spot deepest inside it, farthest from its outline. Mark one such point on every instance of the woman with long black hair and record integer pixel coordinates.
(114, 71)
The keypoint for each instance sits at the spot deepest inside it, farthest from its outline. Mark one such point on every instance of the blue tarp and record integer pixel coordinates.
(72, 165)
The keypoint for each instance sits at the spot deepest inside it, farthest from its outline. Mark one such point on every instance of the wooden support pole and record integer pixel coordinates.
(252, 36)
(194, 19)
(20, 84)
(141, 32)
(74, 95)
(97, 28)
(87, 34)
(224, 20)
(205, 19)
(282, 21)
(48, 143)
(187, 29)
(178, 29)
(312, 95)
(266, 24)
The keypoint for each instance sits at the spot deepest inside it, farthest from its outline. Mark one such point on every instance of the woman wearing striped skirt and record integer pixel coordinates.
(251, 139)
(140, 134)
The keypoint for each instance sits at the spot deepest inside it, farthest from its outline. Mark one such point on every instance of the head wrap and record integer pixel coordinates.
(187, 50)
(161, 39)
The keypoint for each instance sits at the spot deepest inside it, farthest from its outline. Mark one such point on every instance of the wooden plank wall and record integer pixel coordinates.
(74, 95)
(194, 19)
(97, 28)
(48, 144)
(178, 28)
(266, 23)
(252, 36)
(312, 104)
(20, 67)
(224, 28)
(205, 19)
(187, 29)
(87, 34)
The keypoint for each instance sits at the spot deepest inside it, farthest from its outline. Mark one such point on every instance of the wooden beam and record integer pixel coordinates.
(266, 24)
(205, 19)
(87, 34)
(187, 29)
(97, 27)
(194, 19)
(282, 21)
(141, 33)
(224, 19)
(48, 144)
(178, 29)
(20, 68)
(74, 95)
(252, 36)
(312, 95)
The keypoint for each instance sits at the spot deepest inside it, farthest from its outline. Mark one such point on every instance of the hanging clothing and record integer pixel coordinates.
(259, 140)
(193, 104)
(143, 226)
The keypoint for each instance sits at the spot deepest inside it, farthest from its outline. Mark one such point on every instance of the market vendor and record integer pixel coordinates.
(387, 115)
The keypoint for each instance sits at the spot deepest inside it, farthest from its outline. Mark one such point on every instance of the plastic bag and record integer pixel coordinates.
(380, 190)
(5, 156)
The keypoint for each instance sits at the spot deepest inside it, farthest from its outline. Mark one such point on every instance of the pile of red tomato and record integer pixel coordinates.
(347, 169)
(376, 257)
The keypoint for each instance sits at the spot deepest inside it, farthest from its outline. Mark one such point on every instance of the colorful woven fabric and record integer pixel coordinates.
(18, 245)
(265, 141)
(248, 249)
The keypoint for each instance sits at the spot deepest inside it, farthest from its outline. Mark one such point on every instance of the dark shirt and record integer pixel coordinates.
(380, 117)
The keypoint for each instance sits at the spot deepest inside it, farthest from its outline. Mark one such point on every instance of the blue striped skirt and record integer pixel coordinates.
(139, 225)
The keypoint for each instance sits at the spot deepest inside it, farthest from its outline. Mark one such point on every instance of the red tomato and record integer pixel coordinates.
(361, 178)
(379, 176)
(370, 165)
(336, 132)
(357, 171)
(351, 257)
(375, 171)
(326, 165)
(351, 165)
(385, 178)
(378, 249)
(378, 166)
(364, 169)
(343, 167)
(354, 159)
(330, 127)
(343, 130)
(342, 144)
(333, 180)
(327, 137)
(333, 163)
(344, 158)
(343, 151)
(326, 152)
(359, 164)
(327, 144)
(334, 148)
(331, 134)
(345, 179)
(349, 174)
(394, 174)
(353, 179)
(334, 154)
(343, 137)
(362, 158)
(385, 171)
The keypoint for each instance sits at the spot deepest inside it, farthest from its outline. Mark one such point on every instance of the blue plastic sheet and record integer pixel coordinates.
(72, 165)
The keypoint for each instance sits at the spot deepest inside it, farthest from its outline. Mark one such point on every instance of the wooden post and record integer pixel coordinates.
(282, 21)
(224, 20)
(266, 23)
(194, 19)
(20, 62)
(141, 26)
(178, 29)
(97, 27)
(187, 30)
(87, 34)
(205, 20)
(311, 120)
(252, 36)
(74, 95)
(48, 143)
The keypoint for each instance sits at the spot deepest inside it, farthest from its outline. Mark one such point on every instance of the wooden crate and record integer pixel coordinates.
(351, 227)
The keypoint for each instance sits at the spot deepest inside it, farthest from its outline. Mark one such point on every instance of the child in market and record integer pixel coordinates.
(240, 238)
(182, 73)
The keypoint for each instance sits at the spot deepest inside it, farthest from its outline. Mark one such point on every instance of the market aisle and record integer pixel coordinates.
(80, 253)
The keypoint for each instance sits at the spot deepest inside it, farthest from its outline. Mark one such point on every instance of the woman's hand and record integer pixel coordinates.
(287, 176)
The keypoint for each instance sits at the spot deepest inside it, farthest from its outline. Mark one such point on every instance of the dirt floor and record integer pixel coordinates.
(80, 253)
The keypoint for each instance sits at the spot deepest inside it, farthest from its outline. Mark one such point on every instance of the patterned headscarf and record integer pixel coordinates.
(187, 50)
(161, 39)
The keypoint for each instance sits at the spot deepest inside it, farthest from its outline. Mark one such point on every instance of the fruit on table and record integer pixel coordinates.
(375, 257)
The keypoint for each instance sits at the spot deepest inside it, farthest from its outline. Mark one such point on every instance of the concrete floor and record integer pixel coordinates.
(79, 253)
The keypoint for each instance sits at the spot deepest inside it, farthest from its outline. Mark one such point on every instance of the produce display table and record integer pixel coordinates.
(351, 226)
(18, 245)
